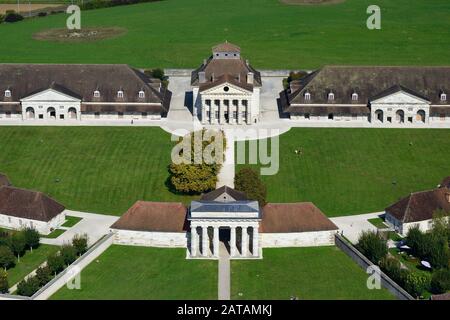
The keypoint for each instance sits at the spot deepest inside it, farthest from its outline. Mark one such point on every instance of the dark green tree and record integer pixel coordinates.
(440, 281)
(32, 238)
(55, 262)
(80, 243)
(28, 287)
(4, 286)
(18, 244)
(68, 253)
(7, 259)
(248, 181)
(44, 275)
(372, 245)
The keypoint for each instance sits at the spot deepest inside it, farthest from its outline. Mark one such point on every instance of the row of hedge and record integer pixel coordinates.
(56, 262)
(10, 16)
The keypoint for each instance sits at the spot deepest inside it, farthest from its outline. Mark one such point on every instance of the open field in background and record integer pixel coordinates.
(127, 272)
(354, 171)
(180, 33)
(306, 273)
(25, 8)
(93, 169)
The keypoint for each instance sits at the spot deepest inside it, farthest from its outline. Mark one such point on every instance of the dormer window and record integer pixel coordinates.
(120, 94)
(331, 96)
(443, 97)
(354, 96)
(307, 96)
(141, 94)
(96, 94)
(7, 93)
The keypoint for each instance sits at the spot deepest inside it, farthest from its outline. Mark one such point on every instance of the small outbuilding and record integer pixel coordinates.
(20, 208)
(295, 225)
(417, 209)
(153, 224)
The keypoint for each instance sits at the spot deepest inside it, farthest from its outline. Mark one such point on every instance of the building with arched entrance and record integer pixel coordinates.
(224, 216)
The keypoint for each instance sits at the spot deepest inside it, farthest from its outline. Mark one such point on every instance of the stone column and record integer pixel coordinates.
(255, 242)
(233, 241)
(239, 113)
(244, 242)
(203, 109)
(216, 242)
(205, 241)
(194, 241)
(222, 112)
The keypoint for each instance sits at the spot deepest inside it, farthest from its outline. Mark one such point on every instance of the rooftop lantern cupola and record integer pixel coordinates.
(226, 50)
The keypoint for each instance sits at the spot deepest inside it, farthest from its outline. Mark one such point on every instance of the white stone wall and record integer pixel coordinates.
(115, 116)
(150, 239)
(10, 116)
(403, 228)
(297, 239)
(42, 227)
(337, 118)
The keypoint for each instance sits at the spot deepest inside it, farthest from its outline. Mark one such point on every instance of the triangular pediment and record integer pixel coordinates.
(221, 89)
(50, 95)
(399, 95)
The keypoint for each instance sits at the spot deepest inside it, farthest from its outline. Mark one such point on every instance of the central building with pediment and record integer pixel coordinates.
(226, 88)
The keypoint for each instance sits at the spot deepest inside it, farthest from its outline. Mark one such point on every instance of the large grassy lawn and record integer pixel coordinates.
(350, 171)
(305, 273)
(93, 169)
(180, 33)
(29, 262)
(126, 272)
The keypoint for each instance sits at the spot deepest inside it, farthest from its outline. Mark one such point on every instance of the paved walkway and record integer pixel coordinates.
(224, 273)
(226, 174)
(94, 225)
(352, 226)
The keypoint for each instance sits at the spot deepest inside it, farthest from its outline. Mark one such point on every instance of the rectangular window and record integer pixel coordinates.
(217, 102)
(61, 107)
(442, 116)
(41, 116)
(97, 115)
(8, 114)
(389, 119)
(208, 102)
(61, 116)
(120, 115)
(410, 119)
(144, 115)
(354, 116)
(235, 103)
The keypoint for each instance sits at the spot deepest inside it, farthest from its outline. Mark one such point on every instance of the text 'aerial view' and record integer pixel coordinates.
(225, 155)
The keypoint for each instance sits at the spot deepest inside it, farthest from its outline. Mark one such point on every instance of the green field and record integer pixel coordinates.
(29, 262)
(306, 273)
(180, 33)
(93, 169)
(127, 272)
(351, 171)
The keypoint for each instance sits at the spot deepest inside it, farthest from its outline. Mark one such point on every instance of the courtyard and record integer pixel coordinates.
(310, 273)
(127, 272)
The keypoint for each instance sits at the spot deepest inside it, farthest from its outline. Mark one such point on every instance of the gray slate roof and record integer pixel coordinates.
(80, 81)
(213, 206)
(369, 83)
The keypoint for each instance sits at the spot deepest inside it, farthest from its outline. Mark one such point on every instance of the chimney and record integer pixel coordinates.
(294, 85)
(250, 78)
(201, 77)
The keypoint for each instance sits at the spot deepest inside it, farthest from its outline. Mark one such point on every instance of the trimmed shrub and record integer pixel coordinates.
(440, 281)
(55, 262)
(7, 259)
(43, 275)
(68, 253)
(80, 243)
(18, 243)
(248, 181)
(417, 283)
(28, 287)
(4, 286)
(32, 238)
(12, 17)
(372, 246)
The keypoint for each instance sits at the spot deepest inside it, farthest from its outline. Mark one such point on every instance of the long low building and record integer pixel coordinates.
(74, 92)
(224, 215)
(20, 208)
(379, 95)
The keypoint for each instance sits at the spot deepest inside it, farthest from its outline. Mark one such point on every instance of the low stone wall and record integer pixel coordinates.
(297, 239)
(364, 263)
(61, 279)
(150, 239)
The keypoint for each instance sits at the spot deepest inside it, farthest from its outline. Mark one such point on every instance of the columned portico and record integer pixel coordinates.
(239, 218)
